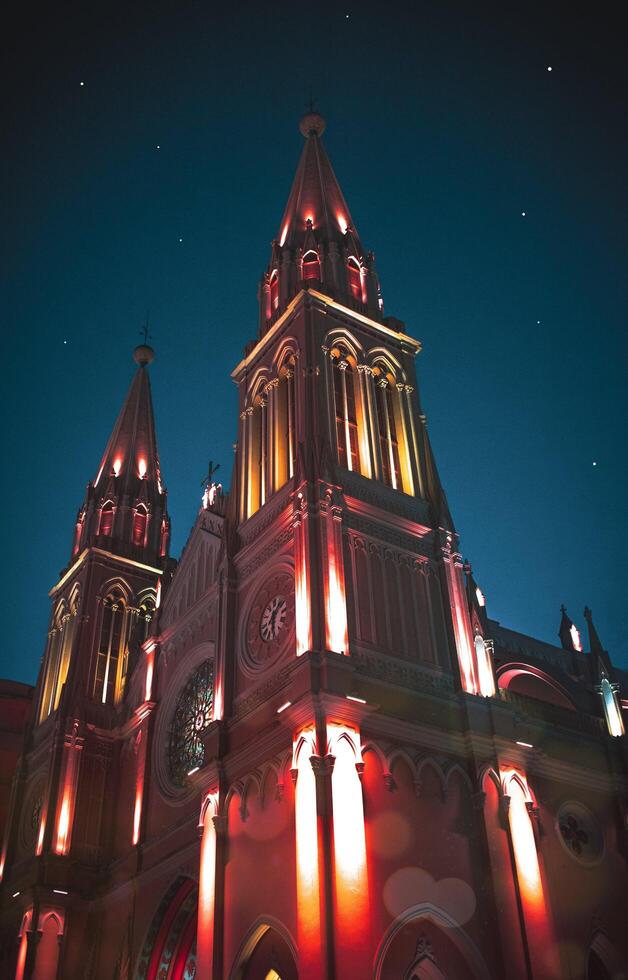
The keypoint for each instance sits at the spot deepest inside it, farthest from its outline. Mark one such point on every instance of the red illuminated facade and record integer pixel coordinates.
(305, 749)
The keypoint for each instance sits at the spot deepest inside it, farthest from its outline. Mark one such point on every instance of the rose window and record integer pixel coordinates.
(192, 715)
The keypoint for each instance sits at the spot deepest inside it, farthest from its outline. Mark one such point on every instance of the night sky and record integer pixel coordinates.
(150, 150)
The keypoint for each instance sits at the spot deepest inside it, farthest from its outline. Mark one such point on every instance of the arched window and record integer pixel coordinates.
(274, 291)
(387, 430)
(311, 266)
(140, 520)
(346, 417)
(51, 687)
(163, 547)
(105, 526)
(284, 440)
(354, 278)
(110, 670)
(145, 614)
(78, 532)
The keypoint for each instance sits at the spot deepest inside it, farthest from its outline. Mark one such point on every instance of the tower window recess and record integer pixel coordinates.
(387, 429)
(140, 520)
(311, 266)
(346, 419)
(111, 657)
(354, 278)
(105, 526)
(274, 292)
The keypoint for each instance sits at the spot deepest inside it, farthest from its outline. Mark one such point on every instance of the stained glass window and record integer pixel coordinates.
(191, 717)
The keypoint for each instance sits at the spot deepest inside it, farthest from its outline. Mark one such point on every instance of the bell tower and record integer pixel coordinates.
(331, 427)
(342, 568)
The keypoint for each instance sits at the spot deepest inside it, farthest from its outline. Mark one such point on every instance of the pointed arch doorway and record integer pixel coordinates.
(267, 953)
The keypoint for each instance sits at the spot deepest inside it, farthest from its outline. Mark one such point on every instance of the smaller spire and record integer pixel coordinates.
(125, 509)
(594, 641)
(568, 633)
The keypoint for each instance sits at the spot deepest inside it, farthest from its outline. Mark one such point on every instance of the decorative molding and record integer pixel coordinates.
(401, 673)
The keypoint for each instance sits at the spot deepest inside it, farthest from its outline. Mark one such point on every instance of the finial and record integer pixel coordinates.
(144, 353)
(312, 123)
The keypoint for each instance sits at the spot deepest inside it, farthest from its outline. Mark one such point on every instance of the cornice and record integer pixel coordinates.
(128, 562)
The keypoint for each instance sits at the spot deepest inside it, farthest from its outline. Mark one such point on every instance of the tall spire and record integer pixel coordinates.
(317, 245)
(125, 505)
(315, 195)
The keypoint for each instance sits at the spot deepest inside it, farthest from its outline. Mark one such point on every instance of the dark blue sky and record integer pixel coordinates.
(443, 126)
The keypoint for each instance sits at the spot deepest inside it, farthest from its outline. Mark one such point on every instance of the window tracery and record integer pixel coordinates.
(191, 716)
(112, 653)
(345, 410)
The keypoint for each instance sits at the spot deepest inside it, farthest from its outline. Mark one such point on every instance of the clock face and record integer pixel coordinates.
(270, 622)
(273, 618)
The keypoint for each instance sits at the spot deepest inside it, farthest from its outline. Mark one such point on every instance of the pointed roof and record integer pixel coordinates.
(595, 646)
(315, 193)
(569, 633)
(131, 451)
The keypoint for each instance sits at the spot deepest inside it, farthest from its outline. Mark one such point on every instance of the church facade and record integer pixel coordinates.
(305, 749)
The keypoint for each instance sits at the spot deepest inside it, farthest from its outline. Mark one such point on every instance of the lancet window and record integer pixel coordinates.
(354, 278)
(105, 525)
(140, 521)
(311, 266)
(387, 431)
(51, 690)
(111, 658)
(346, 413)
(268, 437)
(274, 292)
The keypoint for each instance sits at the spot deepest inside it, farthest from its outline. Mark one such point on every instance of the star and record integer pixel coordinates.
(594, 463)
(538, 322)
(523, 214)
(158, 147)
(65, 341)
(82, 84)
(180, 241)
(549, 67)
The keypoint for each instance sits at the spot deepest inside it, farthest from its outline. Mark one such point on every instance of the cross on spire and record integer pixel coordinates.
(208, 481)
(144, 331)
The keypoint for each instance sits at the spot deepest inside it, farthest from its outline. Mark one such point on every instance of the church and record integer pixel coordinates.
(304, 749)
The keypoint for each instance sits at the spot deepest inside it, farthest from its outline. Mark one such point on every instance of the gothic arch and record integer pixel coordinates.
(170, 942)
(74, 600)
(382, 356)
(114, 583)
(488, 772)
(456, 768)
(288, 348)
(544, 687)
(261, 929)
(343, 337)
(428, 912)
(603, 951)
(428, 762)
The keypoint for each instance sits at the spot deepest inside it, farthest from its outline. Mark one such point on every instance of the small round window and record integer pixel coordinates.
(580, 833)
